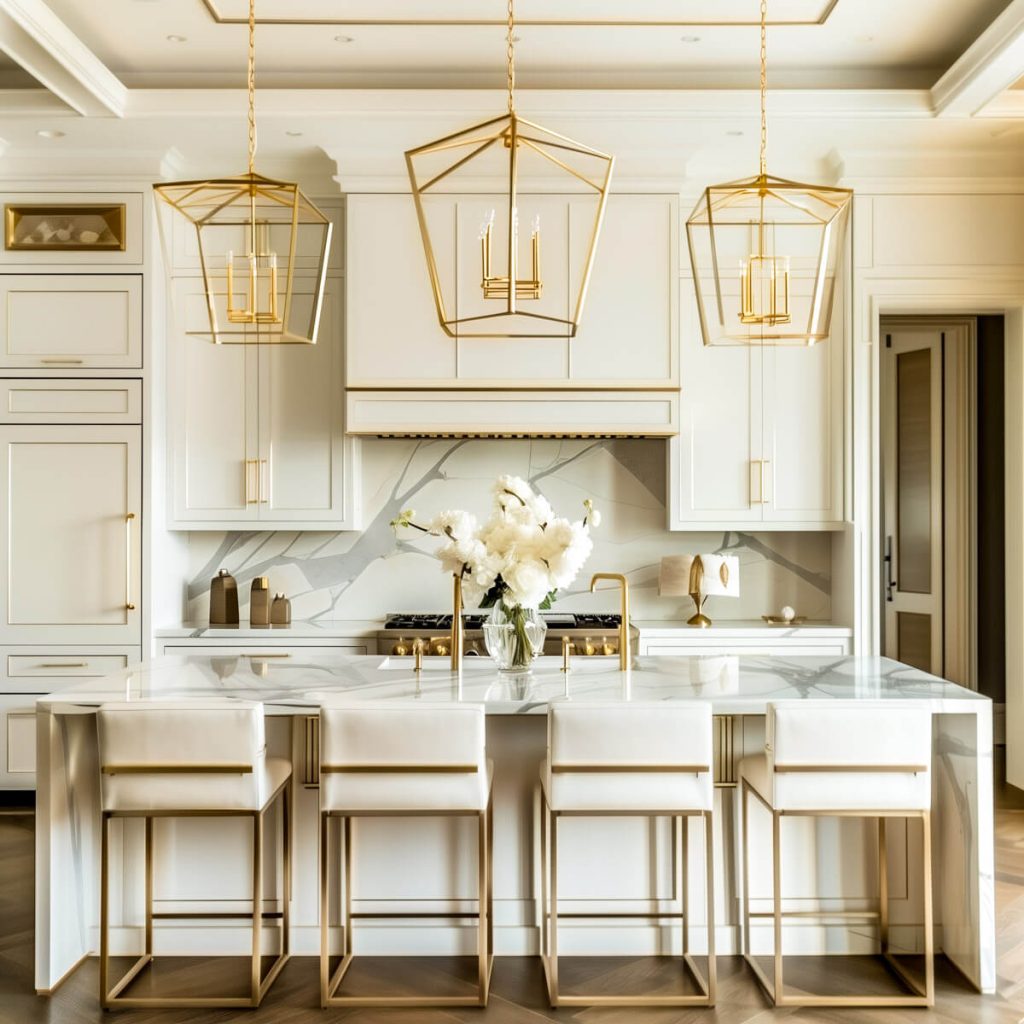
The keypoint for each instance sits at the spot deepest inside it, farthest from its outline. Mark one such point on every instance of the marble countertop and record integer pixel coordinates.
(327, 629)
(735, 685)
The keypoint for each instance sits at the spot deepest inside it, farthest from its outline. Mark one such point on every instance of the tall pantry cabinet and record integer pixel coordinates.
(71, 330)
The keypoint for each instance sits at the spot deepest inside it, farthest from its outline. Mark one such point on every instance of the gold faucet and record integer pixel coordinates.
(567, 647)
(457, 631)
(417, 654)
(625, 657)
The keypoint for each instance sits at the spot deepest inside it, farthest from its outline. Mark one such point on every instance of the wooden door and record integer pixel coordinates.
(72, 534)
(912, 536)
(212, 412)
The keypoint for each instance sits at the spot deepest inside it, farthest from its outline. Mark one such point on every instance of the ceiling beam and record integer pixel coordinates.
(34, 37)
(992, 63)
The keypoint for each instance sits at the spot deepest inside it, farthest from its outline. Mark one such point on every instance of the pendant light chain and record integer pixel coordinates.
(252, 86)
(511, 55)
(764, 87)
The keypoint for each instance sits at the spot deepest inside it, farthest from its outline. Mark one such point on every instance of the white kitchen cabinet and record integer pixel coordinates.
(41, 670)
(59, 400)
(761, 434)
(627, 338)
(70, 321)
(17, 742)
(257, 432)
(71, 525)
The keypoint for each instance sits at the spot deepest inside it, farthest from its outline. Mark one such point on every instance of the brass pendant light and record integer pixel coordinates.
(765, 252)
(263, 247)
(504, 143)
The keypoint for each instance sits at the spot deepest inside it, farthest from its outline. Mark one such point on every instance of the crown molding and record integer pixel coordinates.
(991, 64)
(34, 37)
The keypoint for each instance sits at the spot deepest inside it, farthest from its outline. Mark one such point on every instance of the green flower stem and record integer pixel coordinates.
(522, 650)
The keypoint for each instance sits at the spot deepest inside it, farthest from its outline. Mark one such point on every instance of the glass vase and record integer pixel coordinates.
(514, 636)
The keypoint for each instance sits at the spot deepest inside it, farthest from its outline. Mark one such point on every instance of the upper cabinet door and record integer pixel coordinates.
(629, 334)
(72, 534)
(393, 335)
(212, 410)
(307, 469)
(803, 395)
(70, 321)
(715, 471)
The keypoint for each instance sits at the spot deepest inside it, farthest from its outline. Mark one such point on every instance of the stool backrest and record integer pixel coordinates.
(397, 757)
(641, 741)
(874, 753)
(364, 737)
(197, 748)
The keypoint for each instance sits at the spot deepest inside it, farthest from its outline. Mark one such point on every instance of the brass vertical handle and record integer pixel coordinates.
(128, 603)
(760, 499)
(264, 483)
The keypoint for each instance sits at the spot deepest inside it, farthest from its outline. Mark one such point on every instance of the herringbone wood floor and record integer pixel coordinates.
(518, 991)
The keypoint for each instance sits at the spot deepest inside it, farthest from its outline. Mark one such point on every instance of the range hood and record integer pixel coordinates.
(469, 413)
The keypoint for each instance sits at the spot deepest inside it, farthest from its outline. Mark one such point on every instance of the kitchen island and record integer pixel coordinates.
(418, 864)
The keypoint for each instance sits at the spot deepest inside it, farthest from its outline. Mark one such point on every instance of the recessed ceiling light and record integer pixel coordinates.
(344, 39)
(689, 39)
(177, 39)
(293, 134)
(49, 133)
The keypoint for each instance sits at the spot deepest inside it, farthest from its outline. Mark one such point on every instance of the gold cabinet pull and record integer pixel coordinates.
(264, 481)
(61, 362)
(274, 654)
(760, 499)
(251, 469)
(128, 603)
(64, 664)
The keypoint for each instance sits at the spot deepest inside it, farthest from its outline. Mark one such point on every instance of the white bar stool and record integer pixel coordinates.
(617, 760)
(842, 758)
(161, 759)
(390, 760)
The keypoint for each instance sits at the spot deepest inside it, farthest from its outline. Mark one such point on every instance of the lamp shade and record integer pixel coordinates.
(711, 575)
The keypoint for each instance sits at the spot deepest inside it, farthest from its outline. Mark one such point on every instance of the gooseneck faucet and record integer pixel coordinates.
(625, 656)
(457, 632)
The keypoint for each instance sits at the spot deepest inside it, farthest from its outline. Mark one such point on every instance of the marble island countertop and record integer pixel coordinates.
(734, 685)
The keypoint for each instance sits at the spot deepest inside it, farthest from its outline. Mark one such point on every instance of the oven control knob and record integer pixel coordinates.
(607, 648)
(588, 647)
(400, 649)
(440, 649)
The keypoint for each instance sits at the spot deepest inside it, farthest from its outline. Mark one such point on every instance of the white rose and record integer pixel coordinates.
(509, 488)
(455, 523)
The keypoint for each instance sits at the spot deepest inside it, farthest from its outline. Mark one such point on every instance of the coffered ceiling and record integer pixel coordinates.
(857, 86)
(459, 43)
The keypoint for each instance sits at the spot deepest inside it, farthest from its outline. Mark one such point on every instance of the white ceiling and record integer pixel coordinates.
(862, 44)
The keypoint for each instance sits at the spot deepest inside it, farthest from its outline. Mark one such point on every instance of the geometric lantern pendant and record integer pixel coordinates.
(251, 233)
(263, 248)
(503, 288)
(765, 252)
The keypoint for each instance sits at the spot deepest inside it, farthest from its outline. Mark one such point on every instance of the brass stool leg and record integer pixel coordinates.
(553, 938)
(777, 903)
(257, 905)
(709, 881)
(104, 910)
(929, 927)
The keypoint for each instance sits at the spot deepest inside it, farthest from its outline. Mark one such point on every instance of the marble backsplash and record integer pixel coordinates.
(363, 575)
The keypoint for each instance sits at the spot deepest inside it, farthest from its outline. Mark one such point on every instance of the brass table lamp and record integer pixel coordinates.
(701, 577)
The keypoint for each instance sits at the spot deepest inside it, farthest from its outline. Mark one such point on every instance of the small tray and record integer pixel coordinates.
(778, 620)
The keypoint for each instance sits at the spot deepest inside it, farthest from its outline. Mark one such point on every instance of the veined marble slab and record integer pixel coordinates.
(734, 685)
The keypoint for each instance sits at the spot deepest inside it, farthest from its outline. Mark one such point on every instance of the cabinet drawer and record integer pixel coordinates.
(70, 401)
(71, 321)
(821, 649)
(17, 743)
(25, 670)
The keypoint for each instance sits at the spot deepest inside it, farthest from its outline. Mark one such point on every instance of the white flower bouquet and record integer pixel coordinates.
(517, 561)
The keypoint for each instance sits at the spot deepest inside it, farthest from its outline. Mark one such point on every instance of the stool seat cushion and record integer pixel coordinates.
(406, 792)
(629, 792)
(141, 792)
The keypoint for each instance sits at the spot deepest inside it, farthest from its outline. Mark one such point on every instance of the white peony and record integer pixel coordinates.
(456, 524)
(528, 582)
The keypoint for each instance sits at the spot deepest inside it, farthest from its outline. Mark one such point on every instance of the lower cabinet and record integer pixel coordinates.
(30, 672)
(273, 647)
(822, 641)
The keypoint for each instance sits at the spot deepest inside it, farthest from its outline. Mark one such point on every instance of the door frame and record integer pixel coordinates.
(972, 292)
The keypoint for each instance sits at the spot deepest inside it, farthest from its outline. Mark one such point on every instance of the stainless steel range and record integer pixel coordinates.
(593, 635)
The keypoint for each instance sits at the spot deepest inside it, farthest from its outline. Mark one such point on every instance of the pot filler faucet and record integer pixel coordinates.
(625, 656)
